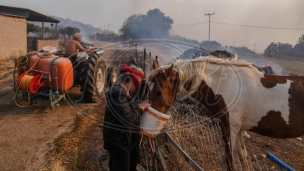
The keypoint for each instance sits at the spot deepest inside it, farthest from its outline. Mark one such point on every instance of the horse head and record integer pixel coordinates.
(163, 87)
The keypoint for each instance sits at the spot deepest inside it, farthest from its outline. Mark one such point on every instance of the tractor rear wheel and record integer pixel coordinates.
(93, 78)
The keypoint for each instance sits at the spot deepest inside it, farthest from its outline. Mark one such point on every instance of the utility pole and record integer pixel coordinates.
(104, 31)
(254, 48)
(209, 23)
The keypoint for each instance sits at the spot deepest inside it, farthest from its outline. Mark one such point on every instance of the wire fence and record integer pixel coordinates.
(192, 141)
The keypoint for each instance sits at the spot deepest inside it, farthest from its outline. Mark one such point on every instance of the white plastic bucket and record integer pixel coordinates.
(152, 121)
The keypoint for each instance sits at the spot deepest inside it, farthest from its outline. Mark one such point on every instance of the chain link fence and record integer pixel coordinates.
(191, 141)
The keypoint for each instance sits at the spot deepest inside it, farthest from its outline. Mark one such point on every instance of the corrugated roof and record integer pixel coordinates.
(28, 14)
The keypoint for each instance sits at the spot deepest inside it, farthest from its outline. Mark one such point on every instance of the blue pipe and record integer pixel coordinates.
(279, 162)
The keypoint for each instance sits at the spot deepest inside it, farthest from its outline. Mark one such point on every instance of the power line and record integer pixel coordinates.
(190, 24)
(261, 27)
(185, 25)
(240, 25)
(114, 26)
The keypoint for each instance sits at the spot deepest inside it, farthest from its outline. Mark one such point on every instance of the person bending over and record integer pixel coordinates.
(121, 132)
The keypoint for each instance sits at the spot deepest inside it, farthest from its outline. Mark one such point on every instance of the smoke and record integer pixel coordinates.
(270, 13)
(263, 61)
(168, 52)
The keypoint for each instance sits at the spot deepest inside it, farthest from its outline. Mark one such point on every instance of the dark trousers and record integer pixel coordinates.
(123, 160)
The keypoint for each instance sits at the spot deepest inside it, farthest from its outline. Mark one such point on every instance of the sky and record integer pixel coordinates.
(227, 24)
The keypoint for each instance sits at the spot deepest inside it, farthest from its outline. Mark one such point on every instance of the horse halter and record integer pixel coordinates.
(160, 92)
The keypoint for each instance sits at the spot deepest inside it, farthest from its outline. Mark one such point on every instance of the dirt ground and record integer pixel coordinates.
(69, 137)
(37, 137)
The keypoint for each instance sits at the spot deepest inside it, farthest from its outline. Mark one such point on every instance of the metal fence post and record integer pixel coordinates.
(144, 65)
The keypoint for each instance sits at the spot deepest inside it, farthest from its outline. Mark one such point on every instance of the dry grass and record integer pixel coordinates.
(5, 66)
(291, 65)
(71, 154)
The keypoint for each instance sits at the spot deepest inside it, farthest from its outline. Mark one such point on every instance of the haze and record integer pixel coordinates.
(260, 13)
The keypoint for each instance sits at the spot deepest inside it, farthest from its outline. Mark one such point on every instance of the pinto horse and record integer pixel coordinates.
(234, 91)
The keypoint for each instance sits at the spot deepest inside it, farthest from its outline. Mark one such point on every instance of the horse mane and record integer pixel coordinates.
(222, 61)
(191, 72)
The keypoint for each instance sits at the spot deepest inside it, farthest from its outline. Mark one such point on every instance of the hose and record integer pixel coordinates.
(24, 86)
(26, 79)
(22, 61)
(279, 162)
(25, 83)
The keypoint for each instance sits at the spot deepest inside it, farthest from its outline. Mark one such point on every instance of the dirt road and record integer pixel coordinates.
(28, 135)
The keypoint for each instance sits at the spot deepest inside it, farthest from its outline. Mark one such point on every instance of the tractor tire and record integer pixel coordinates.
(93, 78)
(112, 75)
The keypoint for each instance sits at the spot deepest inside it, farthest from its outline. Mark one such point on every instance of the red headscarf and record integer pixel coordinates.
(134, 73)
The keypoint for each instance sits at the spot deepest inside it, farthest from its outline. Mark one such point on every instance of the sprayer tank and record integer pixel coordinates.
(58, 69)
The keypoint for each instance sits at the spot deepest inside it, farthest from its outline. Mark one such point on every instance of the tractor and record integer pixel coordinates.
(51, 75)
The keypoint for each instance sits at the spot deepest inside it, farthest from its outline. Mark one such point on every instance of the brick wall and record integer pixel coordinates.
(12, 36)
(42, 43)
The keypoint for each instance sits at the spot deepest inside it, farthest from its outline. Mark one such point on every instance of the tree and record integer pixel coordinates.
(298, 49)
(284, 48)
(271, 50)
(69, 31)
(278, 49)
(211, 44)
(301, 40)
(32, 28)
(152, 25)
(241, 50)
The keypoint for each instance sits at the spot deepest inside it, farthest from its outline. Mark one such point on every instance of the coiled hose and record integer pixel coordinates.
(22, 62)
